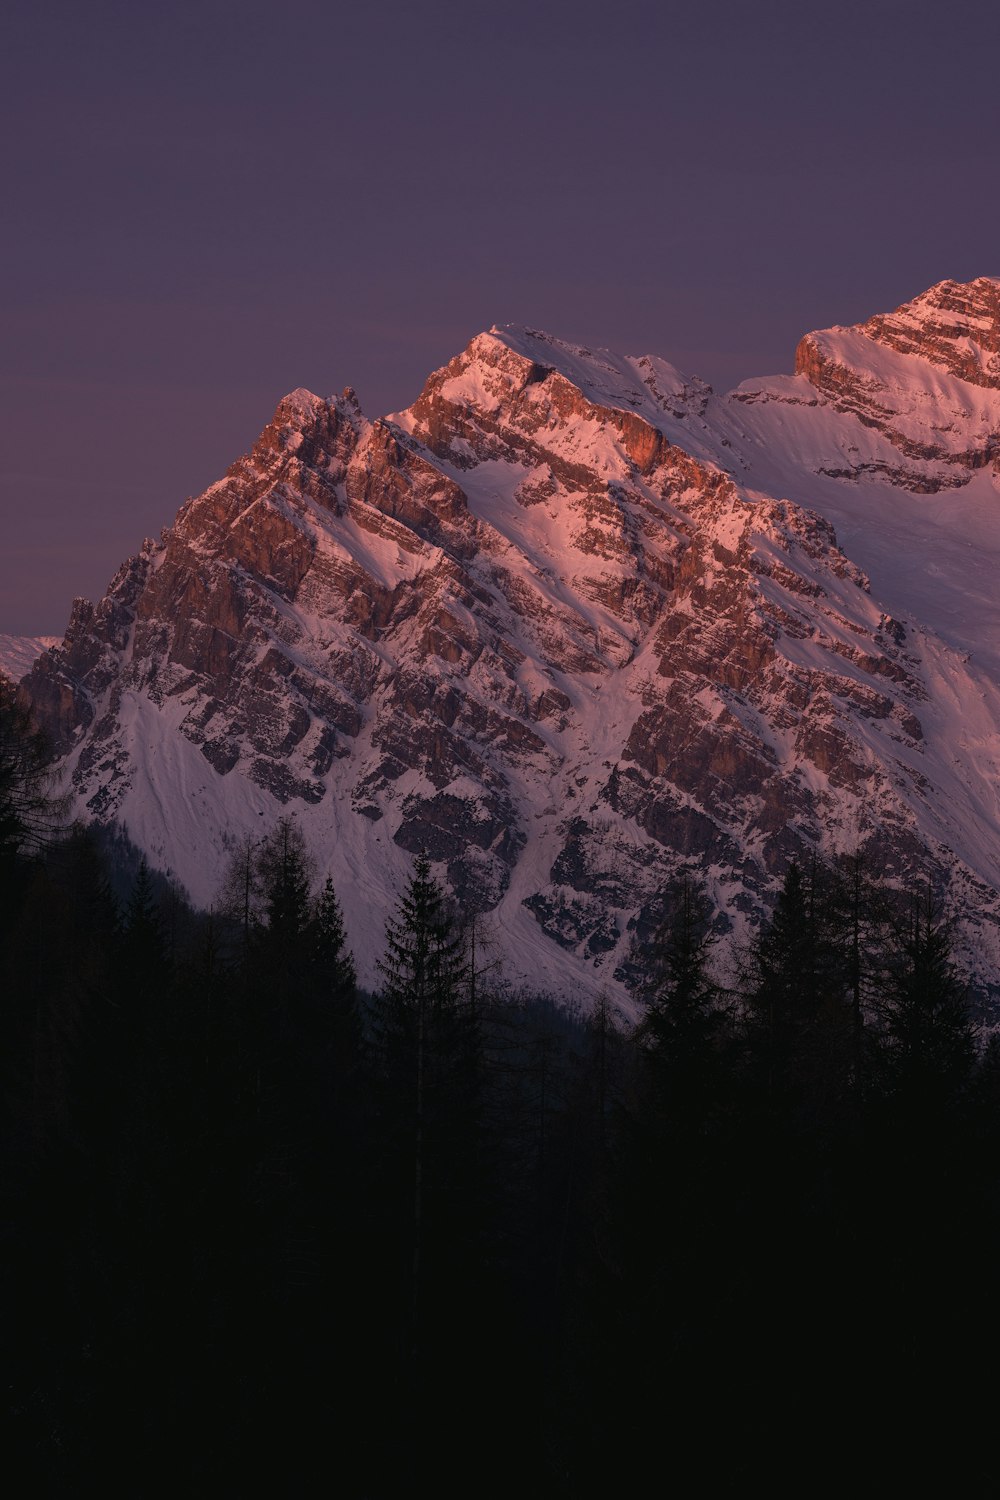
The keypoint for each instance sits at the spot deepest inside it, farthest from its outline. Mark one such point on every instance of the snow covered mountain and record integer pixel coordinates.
(571, 622)
(19, 652)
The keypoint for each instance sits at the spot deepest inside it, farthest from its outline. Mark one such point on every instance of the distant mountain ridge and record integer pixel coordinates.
(19, 652)
(572, 622)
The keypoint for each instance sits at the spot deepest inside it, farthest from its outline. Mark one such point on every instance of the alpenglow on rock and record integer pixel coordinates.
(570, 623)
(18, 653)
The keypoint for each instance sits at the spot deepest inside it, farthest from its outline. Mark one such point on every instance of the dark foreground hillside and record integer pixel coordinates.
(259, 1229)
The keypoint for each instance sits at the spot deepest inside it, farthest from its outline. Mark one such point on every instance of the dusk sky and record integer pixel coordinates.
(208, 205)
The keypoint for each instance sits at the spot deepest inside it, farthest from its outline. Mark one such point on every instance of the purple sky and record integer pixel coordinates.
(208, 204)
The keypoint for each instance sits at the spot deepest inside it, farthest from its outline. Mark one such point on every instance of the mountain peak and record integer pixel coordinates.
(299, 407)
(608, 379)
(512, 365)
(953, 325)
(569, 624)
(302, 411)
(307, 426)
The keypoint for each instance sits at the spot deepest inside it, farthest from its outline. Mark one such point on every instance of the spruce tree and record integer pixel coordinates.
(423, 967)
(283, 874)
(332, 962)
(682, 1012)
(926, 1040)
(278, 974)
(682, 1031)
(142, 930)
(330, 1028)
(798, 1000)
(427, 1047)
(859, 913)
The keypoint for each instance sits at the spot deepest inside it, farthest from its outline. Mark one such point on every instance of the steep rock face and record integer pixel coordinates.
(569, 623)
(955, 325)
(940, 403)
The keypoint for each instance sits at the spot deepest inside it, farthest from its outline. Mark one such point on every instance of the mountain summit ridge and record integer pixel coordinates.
(570, 623)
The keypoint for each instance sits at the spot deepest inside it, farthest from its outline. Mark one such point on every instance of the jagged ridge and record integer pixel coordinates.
(567, 623)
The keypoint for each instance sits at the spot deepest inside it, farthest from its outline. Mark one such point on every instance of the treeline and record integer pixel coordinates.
(262, 1229)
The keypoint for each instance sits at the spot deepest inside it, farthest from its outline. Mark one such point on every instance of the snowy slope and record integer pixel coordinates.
(572, 622)
(19, 652)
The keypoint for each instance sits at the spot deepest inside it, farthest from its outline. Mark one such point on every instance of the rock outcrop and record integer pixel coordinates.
(940, 404)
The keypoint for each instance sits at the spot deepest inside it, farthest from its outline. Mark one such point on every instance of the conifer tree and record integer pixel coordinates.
(427, 1046)
(797, 997)
(681, 1030)
(331, 959)
(926, 1038)
(283, 874)
(279, 950)
(331, 1026)
(859, 911)
(142, 930)
(423, 966)
(682, 1000)
(142, 982)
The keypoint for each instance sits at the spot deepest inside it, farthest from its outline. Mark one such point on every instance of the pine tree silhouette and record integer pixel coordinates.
(427, 1047)
(926, 1038)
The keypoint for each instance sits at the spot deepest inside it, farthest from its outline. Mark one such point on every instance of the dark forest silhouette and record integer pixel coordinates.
(261, 1228)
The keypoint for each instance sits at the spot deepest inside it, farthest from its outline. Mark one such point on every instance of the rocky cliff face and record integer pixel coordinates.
(940, 404)
(569, 623)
